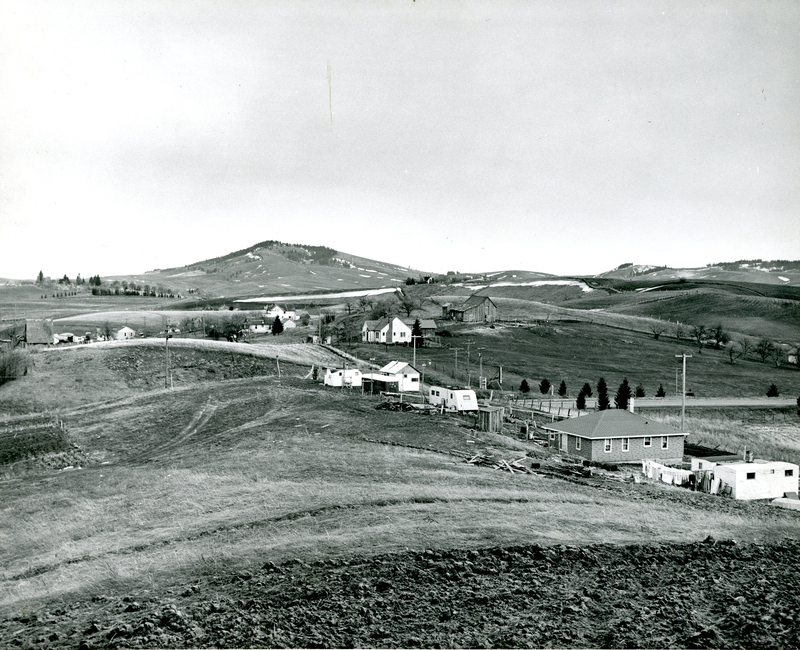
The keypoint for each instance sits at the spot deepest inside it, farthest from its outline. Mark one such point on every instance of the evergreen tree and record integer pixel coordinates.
(661, 392)
(524, 387)
(772, 391)
(544, 386)
(587, 389)
(277, 326)
(623, 395)
(416, 331)
(640, 391)
(40, 278)
(602, 395)
(581, 401)
(562, 388)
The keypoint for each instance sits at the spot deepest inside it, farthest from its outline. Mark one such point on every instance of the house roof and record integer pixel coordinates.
(126, 329)
(39, 330)
(396, 367)
(613, 423)
(424, 323)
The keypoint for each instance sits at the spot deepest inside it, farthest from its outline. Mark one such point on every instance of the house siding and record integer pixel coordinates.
(636, 450)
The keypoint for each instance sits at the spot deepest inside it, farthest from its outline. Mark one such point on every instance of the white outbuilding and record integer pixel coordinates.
(760, 479)
(125, 333)
(342, 377)
(406, 376)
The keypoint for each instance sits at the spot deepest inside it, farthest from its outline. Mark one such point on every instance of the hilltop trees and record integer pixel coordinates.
(623, 395)
(524, 387)
(661, 392)
(602, 395)
(562, 388)
(640, 391)
(544, 386)
(40, 278)
(587, 389)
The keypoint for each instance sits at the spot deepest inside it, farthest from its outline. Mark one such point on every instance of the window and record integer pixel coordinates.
(648, 442)
(625, 444)
(607, 445)
(552, 436)
(751, 476)
(466, 397)
(789, 472)
(664, 442)
(577, 444)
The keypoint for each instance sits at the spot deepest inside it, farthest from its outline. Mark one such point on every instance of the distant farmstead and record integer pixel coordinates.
(475, 309)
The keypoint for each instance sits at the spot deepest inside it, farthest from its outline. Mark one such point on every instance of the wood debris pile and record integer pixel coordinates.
(395, 406)
(513, 466)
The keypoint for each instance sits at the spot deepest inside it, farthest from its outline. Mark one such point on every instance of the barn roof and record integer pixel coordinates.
(475, 299)
(613, 423)
(39, 330)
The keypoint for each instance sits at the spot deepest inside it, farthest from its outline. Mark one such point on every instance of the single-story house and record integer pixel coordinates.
(427, 325)
(406, 376)
(125, 333)
(339, 377)
(617, 436)
(386, 330)
(259, 328)
(475, 309)
(760, 479)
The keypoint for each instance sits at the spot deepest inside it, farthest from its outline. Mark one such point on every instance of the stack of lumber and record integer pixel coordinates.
(513, 466)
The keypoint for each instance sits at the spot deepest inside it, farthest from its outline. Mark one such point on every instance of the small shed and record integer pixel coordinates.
(490, 418)
(343, 377)
(375, 383)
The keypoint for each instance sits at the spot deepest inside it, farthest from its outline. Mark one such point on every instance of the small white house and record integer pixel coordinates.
(339, 377)
(386, 330)
(125, 333)
(271, 311)
(259, 328)
(405, 374)
(453, 399)
(760, 479)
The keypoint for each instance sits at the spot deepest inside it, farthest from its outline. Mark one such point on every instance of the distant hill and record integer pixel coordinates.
(276, 267)
(781, 272)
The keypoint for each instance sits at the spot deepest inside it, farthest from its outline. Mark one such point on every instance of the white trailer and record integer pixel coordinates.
(760, 479)
(453, 399)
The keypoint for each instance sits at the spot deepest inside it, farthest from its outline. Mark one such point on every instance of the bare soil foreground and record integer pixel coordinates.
(701, 595)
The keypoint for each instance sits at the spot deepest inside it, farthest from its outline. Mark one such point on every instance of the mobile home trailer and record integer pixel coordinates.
(453, 399)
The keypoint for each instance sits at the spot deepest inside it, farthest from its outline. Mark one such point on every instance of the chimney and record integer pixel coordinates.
(630, 405)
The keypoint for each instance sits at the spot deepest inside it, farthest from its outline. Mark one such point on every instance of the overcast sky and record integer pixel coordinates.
(554, 136)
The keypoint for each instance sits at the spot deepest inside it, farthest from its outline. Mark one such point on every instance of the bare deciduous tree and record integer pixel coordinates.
(764, 349)
(657, 329)
(699, 335)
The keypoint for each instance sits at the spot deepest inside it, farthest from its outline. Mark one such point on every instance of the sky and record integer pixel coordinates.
(564, 137)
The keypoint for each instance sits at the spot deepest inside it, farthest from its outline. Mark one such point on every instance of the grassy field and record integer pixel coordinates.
(228, 475)
(584, 352)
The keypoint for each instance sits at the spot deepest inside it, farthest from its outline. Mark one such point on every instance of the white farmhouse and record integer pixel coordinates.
(386, 330)
(259, 328)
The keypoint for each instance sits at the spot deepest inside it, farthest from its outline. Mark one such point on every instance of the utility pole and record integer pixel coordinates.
(414, 345)
(455, 373)
(683, 394)
(469, 368)
(166, 360)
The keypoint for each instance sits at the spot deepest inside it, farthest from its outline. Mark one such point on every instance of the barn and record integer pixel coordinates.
(475, 309)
